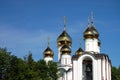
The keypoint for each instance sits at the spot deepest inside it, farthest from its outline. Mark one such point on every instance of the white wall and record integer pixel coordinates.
(101, 68)
(92, 45)
(48, 59)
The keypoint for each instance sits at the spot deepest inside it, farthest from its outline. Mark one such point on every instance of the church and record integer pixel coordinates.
(88, 64)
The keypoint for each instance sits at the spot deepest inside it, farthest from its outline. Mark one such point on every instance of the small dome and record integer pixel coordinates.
(48, 52)
(65, 50)
(79, 51)
(88, 33)
(95, 32)
(64, 38)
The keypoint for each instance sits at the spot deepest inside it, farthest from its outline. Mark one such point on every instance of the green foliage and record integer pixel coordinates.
(52, 70)
(14, 68)
(116, 73)
(4, 63)
(47, 71)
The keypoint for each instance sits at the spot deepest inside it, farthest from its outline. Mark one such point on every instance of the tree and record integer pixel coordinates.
(32, 73)
(42, 69)
(14, 68)
(18, 69)
(52, 70)
(4, 63)
(116, 73)
(47, 71)
(11, 67)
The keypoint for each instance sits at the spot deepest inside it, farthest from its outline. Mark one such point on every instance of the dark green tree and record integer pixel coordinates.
(11, 67)
(116, 73)
(14, 68)
(32, 73)
(4, 64)
(42, 70)
(52, 70)
(18, 70)
(47, 71)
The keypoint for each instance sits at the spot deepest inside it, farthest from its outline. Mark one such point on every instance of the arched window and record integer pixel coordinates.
(87, 69)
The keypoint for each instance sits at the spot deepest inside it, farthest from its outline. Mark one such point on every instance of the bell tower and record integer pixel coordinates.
(91, 64)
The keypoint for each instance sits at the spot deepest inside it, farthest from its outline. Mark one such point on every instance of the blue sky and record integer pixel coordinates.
(26, 24)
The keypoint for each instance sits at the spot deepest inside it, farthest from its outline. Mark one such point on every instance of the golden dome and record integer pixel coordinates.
(65, 50)
(64, 38)
(95, 32)
(79, 51)
(48, 52)
(88, 33)
(91, 32)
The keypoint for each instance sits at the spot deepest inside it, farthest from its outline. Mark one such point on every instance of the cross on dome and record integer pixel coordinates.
(64, 22)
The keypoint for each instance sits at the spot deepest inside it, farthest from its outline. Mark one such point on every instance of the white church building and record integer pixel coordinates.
(88, 64)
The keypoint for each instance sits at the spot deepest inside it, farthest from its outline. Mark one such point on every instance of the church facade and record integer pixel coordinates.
(88, 64)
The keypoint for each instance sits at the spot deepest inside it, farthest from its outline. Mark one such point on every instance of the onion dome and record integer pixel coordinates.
(48, 52)
(79, 51)
(64, 38)
(91, 32)
(95, 32)
(88, 33)
(65, 50)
